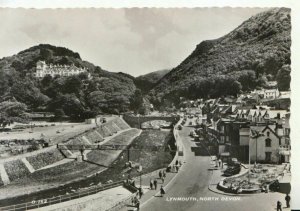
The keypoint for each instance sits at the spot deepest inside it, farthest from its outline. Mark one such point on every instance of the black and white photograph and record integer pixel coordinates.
(152, 109)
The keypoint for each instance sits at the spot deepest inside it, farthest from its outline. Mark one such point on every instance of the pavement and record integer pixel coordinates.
(100, 201)
(189, 191)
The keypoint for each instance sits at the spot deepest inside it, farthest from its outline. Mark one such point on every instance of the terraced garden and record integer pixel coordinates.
(16, 169)
(96, 161)
(46, 158)
(149, 159)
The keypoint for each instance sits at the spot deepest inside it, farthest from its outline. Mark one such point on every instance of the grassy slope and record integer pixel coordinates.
(150, 160)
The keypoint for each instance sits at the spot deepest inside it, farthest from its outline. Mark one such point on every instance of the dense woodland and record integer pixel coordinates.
(255, 52)
(76, 96)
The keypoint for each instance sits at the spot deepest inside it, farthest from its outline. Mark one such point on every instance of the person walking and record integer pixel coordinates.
(160, 174)
(287, 200)
(155, 184)
(162, 191)
(140, 192)
(220, 162)
(164, 174)
(279, 206)
(137, 204)
(151, 184)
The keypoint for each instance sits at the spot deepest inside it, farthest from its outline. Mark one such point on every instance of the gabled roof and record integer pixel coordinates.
(268, 127)
(226, 109)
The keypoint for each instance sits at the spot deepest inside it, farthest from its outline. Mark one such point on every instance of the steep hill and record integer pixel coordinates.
(256, 51)
(76, 96)
(147, 81)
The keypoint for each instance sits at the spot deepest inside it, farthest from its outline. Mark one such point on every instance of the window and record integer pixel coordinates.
(268, 142)
(268, 133)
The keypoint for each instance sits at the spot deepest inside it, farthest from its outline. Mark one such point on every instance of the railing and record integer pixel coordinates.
(49, 201)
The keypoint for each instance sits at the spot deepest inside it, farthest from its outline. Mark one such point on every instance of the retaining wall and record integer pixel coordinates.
(136, 122)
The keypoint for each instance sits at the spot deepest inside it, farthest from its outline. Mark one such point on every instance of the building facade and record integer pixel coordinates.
(42, 69)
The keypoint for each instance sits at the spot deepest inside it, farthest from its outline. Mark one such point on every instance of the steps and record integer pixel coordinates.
(28, 165)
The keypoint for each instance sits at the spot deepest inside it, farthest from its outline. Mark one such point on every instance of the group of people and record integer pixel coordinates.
(287, 200)
(174, 167)
(153, 184)
(162, 175)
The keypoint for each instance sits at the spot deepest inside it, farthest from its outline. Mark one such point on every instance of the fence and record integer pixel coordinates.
(59, 199)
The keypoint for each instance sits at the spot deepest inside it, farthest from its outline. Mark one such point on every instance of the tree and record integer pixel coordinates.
(26, 92)
(59, 113)
(12, 111)
(236, 87)
(46, 81)
(284, 78)
(73, 84)
(137, 101)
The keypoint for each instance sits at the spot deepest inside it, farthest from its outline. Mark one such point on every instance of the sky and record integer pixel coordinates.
(136, 40)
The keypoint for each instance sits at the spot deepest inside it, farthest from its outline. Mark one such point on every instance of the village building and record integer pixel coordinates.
(270, 145)
(42, 69)
(233, 128)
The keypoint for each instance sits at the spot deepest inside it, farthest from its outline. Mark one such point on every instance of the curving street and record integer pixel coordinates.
(192, 183)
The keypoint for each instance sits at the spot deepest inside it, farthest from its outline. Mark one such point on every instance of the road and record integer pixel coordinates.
(192, 183)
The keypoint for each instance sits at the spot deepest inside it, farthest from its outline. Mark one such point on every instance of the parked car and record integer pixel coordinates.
(232, 170)
(232, 161)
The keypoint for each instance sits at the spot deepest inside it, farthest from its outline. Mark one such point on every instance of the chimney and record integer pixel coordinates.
(279, 129)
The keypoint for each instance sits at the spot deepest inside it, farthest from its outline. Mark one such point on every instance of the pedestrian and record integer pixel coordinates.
(220, 162)
(177, 168)
(151, 184)
(140, 192)
(176, 163)
(134, 200)
(137, 204)
(164, 174)
(287, 200)
(160, 174)
(162, 191)
(279, 206)
(155, 184)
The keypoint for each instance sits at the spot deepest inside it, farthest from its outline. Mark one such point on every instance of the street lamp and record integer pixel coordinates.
(256, 135)
(140, 171)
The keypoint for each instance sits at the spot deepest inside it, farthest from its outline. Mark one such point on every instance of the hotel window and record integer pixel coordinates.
(268, 142)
